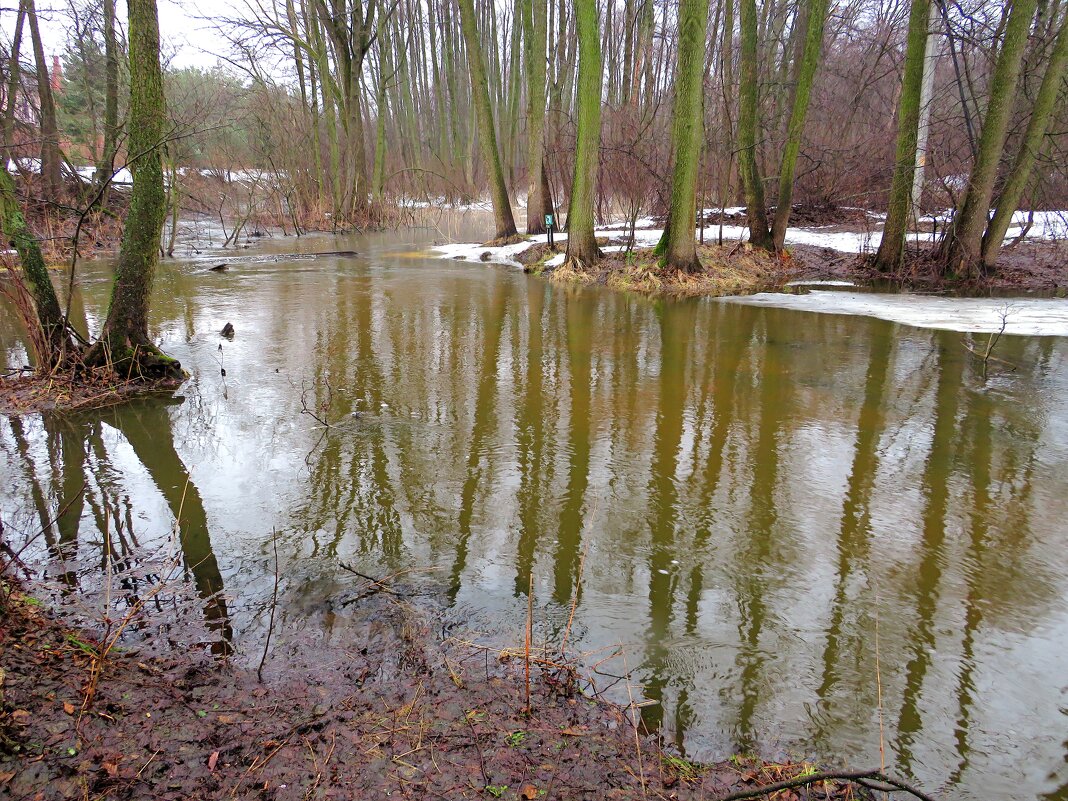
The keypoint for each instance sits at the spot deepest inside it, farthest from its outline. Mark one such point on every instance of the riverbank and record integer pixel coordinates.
(396, 714)
(730, 266)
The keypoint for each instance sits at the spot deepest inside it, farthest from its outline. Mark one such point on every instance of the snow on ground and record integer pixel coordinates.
(1047, 225)
(1026, 316)
(506, 254)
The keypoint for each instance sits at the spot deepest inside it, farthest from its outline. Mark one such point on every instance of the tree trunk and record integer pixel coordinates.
(1020, 174)
(124, 343)
(759, 234)
(677, 246)
(106, 166)
(581, 242)
(51, 176)
(502, 207)
(534, 23)
(961, 250)
(54, 337)
(892, 247)
(14, 72)
(817, 17)
(930, 62)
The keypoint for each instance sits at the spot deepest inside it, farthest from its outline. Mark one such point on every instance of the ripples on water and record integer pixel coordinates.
(755, 490)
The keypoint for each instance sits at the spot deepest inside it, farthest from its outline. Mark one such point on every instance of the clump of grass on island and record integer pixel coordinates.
(726, 270)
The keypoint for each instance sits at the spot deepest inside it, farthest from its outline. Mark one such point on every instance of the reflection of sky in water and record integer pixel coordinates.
(744, 479)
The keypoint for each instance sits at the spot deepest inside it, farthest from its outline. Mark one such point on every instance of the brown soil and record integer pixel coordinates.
(396, 714)
(23, 391)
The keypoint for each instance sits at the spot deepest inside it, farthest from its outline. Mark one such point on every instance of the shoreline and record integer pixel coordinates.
(1032, 266)
(404, 715)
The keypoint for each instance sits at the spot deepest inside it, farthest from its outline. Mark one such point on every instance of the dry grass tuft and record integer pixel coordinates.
(734, 270)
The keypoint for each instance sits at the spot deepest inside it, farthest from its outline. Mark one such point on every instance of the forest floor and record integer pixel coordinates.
(398, 714)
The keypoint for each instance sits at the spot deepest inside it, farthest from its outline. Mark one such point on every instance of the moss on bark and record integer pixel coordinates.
(124, 343)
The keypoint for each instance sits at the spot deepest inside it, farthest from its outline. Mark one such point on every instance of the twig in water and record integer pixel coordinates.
(633, 720)
(274, 605)
(873, 779)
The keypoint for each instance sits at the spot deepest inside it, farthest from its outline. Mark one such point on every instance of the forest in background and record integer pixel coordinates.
(330, 112)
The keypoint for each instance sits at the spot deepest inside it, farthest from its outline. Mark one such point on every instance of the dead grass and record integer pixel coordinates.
(733, 270)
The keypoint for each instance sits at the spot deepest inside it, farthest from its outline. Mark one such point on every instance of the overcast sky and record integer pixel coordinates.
(186, 38)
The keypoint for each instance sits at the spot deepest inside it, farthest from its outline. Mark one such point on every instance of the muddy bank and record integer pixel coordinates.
(1029, 266)
(396, 714)
(25, 391)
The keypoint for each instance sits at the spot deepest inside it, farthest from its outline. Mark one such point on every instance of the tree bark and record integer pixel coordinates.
(892, 247)
(759, 233)
(51, 176)
(487, 136)
(677, 246)
(534, 24)
(14, 72)
(581, 242)
(124, 343)
(817, 17)
(49, 315)
(960, 252)
(1020, 174)
(106, 166)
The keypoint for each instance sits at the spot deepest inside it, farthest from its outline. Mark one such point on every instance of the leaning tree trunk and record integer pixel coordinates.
(487, 136)
(759, 233)
(1020, 173)
(899, 210)
(51, 175)
(960, 252)
(54, 341)
(124, 344)
(677, 245)
(817, 17)
(581, 242)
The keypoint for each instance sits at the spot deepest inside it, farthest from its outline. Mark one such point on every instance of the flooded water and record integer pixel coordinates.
(777, 515)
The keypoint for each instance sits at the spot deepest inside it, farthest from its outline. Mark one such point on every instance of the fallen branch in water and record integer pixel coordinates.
(872, 779)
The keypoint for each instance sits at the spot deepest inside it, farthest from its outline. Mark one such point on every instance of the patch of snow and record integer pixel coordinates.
(820, 283)
(1024, 316)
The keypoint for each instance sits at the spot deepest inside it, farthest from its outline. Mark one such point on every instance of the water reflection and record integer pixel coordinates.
(75, 468)
(755, 491)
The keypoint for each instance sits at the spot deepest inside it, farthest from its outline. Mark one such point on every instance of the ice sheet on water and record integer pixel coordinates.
(1027, 316)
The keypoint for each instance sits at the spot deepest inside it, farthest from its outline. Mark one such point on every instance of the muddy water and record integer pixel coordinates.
(753, 502)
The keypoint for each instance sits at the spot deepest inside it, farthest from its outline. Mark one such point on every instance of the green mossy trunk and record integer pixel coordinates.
(960, 252)
(535, 34)
(678, 244)
(124, 343)
(581, 242)
(899, 209)
(1020, 174)
(487, 136)
(49, 315)
(749, 95)
(817, 17)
